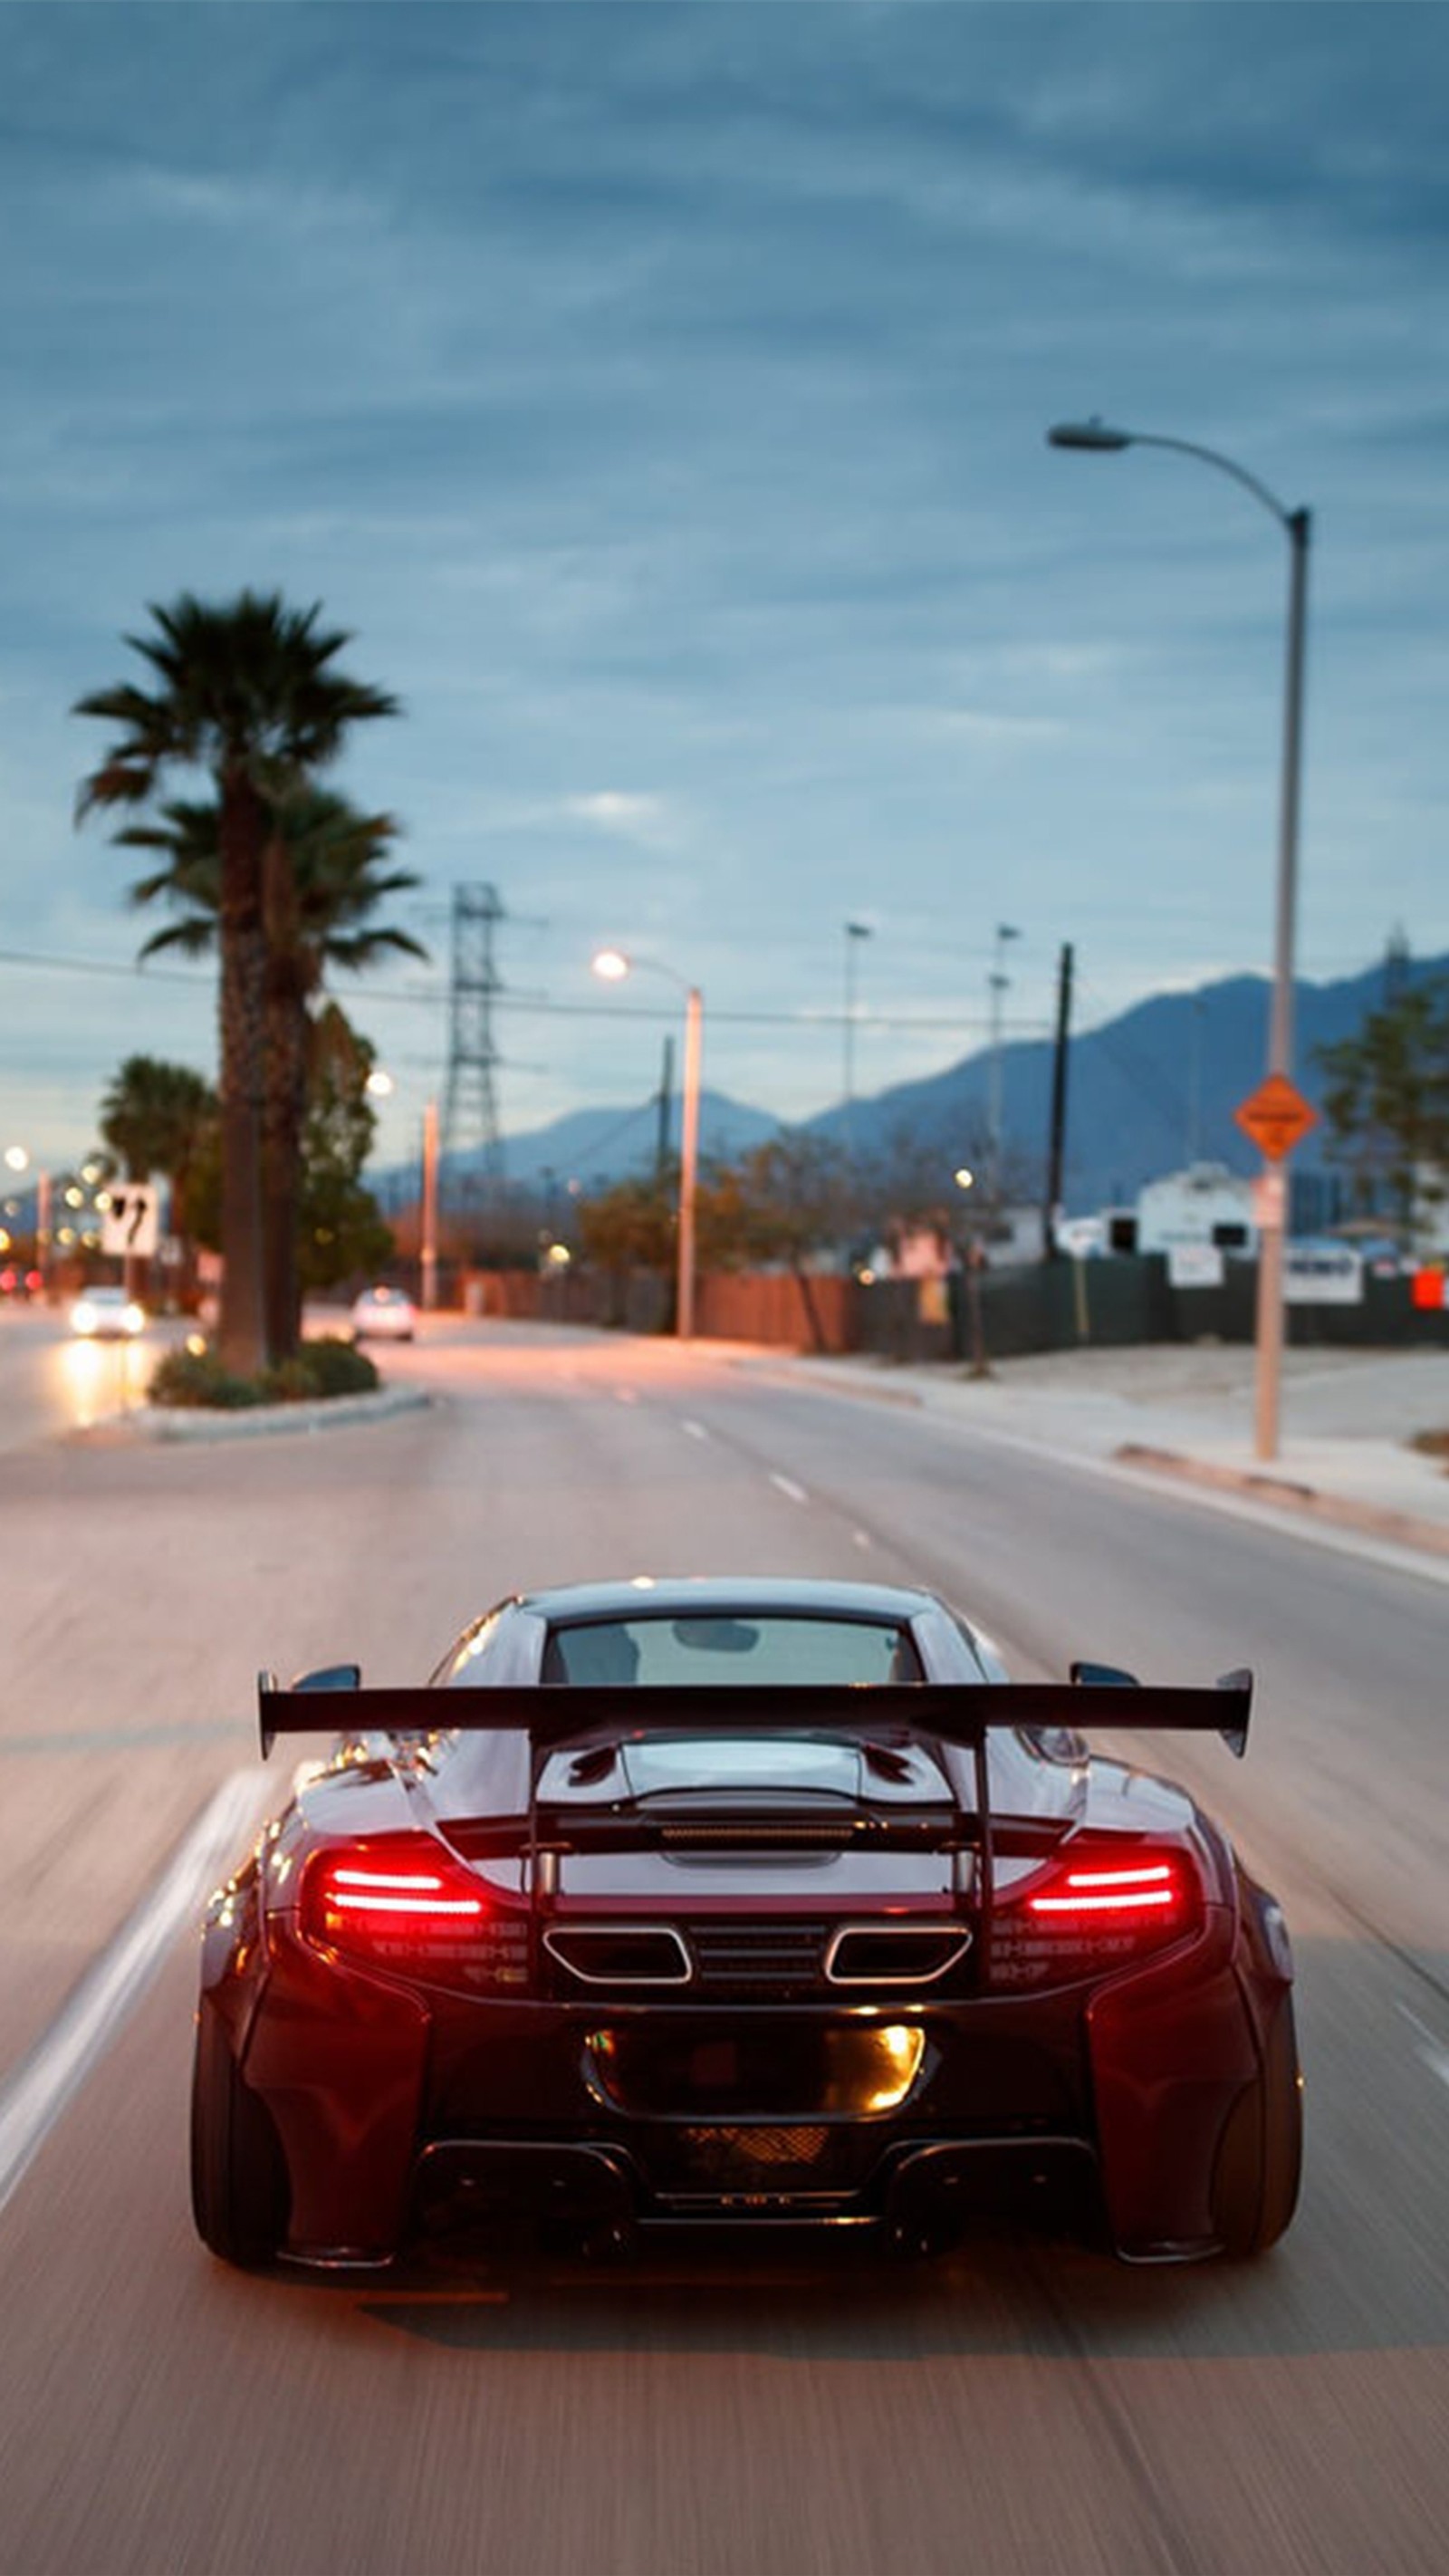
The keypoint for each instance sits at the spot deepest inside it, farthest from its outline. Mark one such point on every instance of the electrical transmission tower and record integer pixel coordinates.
(470, 1106)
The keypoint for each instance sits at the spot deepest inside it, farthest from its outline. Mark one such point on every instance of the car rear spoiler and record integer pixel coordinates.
(888, 1713)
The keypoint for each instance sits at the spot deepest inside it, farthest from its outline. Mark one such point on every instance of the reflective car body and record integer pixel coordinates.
(739, 1903)
(383, 1314)
(107, 1314)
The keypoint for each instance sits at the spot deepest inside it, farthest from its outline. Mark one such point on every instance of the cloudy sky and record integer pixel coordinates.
(658, 396)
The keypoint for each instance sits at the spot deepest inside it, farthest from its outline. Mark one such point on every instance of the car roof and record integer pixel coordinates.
(646, 1596)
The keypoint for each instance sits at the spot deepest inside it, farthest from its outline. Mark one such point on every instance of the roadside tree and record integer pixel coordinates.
(1386, 1103)
(324, 874)
(248, 692)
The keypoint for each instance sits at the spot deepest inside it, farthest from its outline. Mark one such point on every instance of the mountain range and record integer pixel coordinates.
(1147, 1093)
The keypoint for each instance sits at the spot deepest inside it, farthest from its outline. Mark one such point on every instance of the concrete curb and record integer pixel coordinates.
(1284, 1495)
(254, 1421)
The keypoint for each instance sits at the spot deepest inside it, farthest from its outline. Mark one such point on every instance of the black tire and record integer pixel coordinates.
(1260, 2160)
(238, 2175)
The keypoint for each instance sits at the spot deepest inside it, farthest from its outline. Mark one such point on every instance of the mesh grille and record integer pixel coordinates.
(780, 1957)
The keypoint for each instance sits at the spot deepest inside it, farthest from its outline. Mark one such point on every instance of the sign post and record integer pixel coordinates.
(129, 1224)
(1277, 1117)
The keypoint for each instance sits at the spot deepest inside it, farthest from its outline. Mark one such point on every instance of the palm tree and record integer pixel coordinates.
(157, 1118)
(246, 691)
(323, 876)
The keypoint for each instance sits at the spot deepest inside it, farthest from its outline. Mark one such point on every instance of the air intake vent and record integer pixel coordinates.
(783, 1957)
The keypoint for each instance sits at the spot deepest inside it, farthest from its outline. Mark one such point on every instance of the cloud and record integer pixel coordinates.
(647, 821)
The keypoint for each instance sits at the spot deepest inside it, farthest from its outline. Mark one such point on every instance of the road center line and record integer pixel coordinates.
(696, 1430)
(91, 2017)
(785, 1485)
(1434, 2057)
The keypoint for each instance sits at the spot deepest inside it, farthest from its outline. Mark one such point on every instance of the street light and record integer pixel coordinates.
(1097, 437)
(611, 966)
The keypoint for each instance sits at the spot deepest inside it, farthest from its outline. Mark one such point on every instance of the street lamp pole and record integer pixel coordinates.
(612, 965)
(998, 982)
(428, 1214)
(1097, 437)
(855, 931)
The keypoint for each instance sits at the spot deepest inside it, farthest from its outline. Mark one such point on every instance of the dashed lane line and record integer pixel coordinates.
(787, 1486)
(1435, 2057)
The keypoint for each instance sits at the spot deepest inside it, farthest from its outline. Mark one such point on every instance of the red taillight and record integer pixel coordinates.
(403, 1904)
(1097, 1911)
(1150, 1887)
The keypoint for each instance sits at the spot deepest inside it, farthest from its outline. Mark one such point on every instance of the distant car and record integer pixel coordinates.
(739, 1904)
(107, 1315)
(383, 1315)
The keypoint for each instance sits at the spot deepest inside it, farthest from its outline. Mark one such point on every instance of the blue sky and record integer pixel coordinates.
(658, 396)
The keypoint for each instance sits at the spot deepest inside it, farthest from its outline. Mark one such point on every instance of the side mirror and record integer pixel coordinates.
(1103, 1677)
(330, 1677)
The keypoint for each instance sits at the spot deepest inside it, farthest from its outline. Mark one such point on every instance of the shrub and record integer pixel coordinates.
(337, 1367)
(198, 1378)
(319, 1369)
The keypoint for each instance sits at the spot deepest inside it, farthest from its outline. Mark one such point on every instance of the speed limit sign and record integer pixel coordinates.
(129, 1223)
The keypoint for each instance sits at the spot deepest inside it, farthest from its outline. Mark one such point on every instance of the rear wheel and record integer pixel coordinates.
(1255, 2188)
(238, 2176)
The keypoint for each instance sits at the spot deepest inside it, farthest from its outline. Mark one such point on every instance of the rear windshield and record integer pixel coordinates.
(702, 1649)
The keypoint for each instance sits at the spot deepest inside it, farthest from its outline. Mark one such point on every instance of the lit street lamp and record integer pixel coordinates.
(973, 1260)
(17, 1160)
(1097, 437)
(611, 965)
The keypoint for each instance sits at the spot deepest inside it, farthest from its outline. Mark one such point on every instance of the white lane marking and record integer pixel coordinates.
(1434, 2056)
(861, 1538)
(785, 1485)
(35, 2095)
(696, 1430)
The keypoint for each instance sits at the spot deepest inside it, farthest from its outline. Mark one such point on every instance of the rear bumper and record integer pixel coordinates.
(917, 2193)
(400, 2113)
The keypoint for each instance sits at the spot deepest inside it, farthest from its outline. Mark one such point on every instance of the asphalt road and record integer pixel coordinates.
(1015, 2408)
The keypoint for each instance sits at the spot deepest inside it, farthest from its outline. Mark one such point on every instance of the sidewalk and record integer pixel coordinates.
(1186, 1413)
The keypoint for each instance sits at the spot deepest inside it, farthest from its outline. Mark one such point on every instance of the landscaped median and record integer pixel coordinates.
(194, 1377)
(193, 1397)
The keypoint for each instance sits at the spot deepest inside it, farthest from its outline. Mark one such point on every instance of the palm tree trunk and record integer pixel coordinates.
(242, 1333)
(286, 1103)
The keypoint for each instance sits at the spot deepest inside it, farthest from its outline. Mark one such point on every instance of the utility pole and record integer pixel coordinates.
(428, 1217)
(1057, 1140)
(665, 1108)
(470, 1107)
(855, 931)
(998, 981)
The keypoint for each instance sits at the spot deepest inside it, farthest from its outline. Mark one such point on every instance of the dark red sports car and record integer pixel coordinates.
(737, 1903)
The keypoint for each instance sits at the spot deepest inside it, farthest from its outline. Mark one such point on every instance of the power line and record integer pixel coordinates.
(435, 998)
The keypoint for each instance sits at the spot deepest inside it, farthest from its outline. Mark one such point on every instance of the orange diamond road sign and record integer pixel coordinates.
(1276, 1116)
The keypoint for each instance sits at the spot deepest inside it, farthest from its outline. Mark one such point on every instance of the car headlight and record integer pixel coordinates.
(83, 1317)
